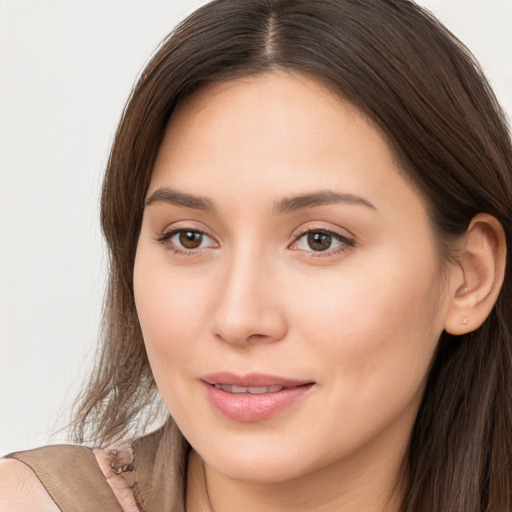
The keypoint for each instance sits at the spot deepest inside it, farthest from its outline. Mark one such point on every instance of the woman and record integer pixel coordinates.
(307, 206)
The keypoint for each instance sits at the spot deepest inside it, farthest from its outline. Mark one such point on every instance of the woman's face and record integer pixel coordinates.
(286, 281)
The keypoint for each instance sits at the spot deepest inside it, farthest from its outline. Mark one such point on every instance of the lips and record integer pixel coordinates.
(253, 397)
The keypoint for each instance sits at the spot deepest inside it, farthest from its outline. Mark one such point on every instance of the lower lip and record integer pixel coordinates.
(248, 408)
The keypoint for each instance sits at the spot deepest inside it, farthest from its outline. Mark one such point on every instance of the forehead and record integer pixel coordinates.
(276, 119)
(283, 100)
(275, 135)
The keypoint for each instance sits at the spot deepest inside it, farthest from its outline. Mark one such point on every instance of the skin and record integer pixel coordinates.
(361, 319)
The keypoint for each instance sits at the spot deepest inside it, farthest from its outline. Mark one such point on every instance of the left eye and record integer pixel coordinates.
(320, 241)
(188, 239)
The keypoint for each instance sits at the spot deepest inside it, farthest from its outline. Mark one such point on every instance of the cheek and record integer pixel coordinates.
(373, 335)
(170, 306)
(377, 328)
(169, 309)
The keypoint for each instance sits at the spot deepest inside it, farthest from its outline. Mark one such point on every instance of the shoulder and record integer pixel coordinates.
(21, 490)
(55, 478)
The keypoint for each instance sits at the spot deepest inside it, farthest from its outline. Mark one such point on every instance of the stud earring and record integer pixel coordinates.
(465, 321)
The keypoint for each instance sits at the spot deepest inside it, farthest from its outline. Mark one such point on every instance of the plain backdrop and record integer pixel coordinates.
(66, 69)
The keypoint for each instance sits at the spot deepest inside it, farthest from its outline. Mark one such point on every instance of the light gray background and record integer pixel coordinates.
(66, 68)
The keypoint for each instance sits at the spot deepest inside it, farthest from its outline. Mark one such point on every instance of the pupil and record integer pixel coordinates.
(190, 239)
(319, 241)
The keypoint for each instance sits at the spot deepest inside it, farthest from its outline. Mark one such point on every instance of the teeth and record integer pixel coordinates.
(252, 390)
(239, 389)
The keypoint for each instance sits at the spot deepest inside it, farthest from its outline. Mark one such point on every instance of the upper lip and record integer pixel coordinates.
(252, 380)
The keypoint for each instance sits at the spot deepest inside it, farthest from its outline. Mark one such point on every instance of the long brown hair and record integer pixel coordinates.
(422, 87)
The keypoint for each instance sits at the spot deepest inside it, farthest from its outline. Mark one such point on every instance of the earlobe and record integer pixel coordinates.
(482, 261)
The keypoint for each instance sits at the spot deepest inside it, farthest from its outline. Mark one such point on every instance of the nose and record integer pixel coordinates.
(248, 309)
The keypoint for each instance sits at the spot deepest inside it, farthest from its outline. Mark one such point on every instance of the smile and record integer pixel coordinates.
(253, 397)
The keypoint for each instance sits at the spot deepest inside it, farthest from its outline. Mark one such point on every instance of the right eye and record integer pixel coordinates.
(187, 240)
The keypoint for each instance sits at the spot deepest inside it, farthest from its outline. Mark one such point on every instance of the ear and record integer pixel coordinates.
(476, 288)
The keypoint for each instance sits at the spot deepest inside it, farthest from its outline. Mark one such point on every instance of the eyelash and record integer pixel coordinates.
(165, 239)
(345, 242)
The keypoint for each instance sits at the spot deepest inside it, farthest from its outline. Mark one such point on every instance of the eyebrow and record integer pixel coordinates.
(172, 196)
(287, 205)
(321, 198)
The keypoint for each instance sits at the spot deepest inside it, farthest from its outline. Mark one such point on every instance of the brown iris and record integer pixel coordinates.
(319, 241)
(190, 239)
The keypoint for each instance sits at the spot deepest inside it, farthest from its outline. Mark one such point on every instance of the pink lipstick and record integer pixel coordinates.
(252, 397)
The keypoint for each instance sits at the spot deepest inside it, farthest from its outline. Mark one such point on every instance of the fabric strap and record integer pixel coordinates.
(72, 478)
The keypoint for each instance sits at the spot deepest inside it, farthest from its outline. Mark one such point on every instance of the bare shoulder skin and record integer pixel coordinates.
(21, 490)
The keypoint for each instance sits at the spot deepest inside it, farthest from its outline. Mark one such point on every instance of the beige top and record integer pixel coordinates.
(80, 479)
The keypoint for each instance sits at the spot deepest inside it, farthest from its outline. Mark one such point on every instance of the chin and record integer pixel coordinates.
(261, 461)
